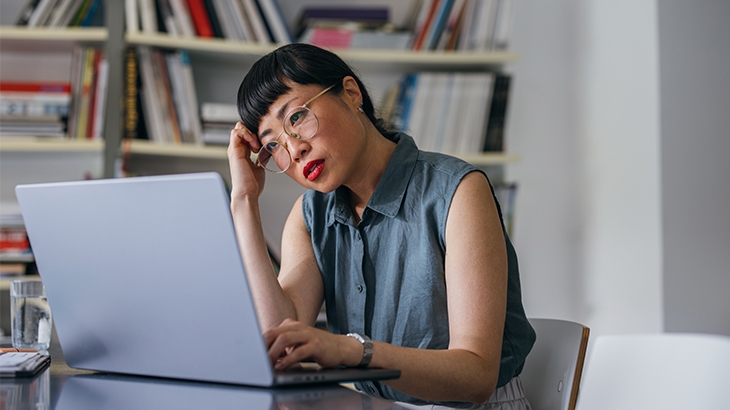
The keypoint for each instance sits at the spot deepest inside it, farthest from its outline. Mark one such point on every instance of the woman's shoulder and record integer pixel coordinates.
(446, 164)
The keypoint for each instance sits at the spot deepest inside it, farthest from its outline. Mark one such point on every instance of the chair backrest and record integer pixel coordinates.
(659, 371)
(552, 372)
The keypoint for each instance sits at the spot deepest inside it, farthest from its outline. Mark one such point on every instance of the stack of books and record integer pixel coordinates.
(89, 79)
(160, 100)
(463, 25)
(218, 121)
(256, 21)
(458, 113)
(61, 13)
(36, 109)
(350, 27)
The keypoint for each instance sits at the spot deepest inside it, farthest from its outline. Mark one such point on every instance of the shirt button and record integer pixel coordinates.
(359, 288)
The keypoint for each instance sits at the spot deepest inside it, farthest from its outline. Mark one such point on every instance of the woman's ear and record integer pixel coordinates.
(351, 92)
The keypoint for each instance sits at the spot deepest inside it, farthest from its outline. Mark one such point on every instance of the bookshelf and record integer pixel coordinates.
(220, 51)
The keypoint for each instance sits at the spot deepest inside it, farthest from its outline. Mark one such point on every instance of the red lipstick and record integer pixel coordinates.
(313, 169)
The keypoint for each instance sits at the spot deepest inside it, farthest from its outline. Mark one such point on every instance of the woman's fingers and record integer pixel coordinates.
(241, 134)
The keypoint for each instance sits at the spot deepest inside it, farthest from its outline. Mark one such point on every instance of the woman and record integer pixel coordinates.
(405, 247)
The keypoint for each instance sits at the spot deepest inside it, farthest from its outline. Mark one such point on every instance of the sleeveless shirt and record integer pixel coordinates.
(384, 277)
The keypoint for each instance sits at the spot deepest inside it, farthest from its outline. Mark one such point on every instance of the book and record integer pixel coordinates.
(426, 15)
(131, 94)
(81, 119)
(183, 90)
(150, 101)
(26, 12)
(71, 12)
(275, 21)
(42, 9)
(148, 16)
(257, 23)
(494, 134)
(166, 14)
(228, 26)
(182, 17)
(169, 111)
(134, 120)
(36, 126)
(90, 15)
(92, 100)
(503, 25)
(131, 16)
(452, 26)
(219, 112)
(22, 363)
(102, 82)
(437, 24)
(34, 87)
(213, 18)
(241, 20)
(372, 16)
(200, 18)
(30, 104)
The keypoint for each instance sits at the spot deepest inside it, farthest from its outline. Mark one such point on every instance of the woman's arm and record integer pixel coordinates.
(476, 281)
(298, 268)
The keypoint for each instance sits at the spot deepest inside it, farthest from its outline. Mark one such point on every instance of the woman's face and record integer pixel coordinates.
(326, 160)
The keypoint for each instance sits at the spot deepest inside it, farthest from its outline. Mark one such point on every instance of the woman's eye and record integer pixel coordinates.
(271, 145)
(297, 117)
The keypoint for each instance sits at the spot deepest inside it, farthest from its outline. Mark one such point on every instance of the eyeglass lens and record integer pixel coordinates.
(300, 123)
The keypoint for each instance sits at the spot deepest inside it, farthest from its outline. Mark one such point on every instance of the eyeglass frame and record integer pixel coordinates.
(283, 131)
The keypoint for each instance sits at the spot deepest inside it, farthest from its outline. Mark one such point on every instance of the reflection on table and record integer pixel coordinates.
(62, 388)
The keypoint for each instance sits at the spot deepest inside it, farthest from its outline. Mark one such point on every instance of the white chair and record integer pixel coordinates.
(552, 372)
(659, 371)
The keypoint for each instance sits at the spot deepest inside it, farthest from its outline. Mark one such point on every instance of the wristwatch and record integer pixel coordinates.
(367, 345)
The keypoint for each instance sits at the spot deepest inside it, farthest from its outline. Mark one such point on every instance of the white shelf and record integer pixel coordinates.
(248, 52)
(141, 147)
(5, 280)
(31, 144)
(21, 39)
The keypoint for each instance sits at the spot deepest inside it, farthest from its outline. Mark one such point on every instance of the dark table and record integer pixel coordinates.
(60, 387)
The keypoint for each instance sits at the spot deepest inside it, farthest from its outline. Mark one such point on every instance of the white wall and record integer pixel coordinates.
(695, 89)
(584, 119)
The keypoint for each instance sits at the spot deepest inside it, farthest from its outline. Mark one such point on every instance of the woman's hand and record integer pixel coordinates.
(247, 179)
(292, 342)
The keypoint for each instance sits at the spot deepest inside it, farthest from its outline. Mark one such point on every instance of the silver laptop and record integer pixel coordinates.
(144, 276)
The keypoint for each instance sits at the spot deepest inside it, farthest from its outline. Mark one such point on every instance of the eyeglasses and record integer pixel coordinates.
(300, 123)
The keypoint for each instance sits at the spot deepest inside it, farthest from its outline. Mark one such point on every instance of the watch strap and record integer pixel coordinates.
(367, 345)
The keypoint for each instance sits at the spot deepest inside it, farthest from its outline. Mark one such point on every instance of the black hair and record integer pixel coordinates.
(303, 64)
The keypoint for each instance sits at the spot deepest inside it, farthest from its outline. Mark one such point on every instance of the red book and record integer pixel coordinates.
(421, 36)
(200, 18)
(33, 87)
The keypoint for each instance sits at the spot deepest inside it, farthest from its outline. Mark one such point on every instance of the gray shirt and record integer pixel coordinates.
(384, 277)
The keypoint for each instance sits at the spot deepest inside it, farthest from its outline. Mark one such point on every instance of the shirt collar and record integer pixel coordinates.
(391, 189)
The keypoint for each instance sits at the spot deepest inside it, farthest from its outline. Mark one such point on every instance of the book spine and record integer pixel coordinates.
(437, 24)
(82, 121)
(276, 21)
(494, 140)
(183, 18)
(90, 13)
(215, 24)
(71, 13)
(92, 94)
(148, 14)
(131, 93)
(100, 100)
(201, 19)
(26, 13)
(426, 25)
(256, 20)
